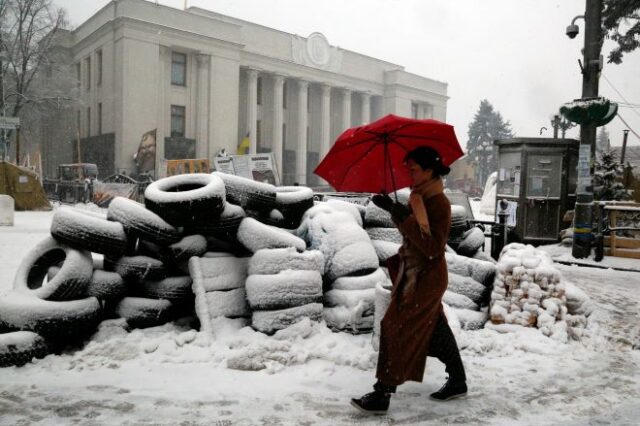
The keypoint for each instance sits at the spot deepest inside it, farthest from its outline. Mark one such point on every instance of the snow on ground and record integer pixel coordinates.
(172, 375)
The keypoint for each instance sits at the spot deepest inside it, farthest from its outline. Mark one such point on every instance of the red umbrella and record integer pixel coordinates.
(370, 158)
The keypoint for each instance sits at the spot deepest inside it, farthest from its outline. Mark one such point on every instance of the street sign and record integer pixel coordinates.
(9, 122)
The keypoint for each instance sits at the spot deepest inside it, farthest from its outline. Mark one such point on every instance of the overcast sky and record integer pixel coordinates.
(513, 53)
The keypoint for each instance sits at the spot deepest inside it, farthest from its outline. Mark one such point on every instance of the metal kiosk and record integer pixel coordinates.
(537, 177)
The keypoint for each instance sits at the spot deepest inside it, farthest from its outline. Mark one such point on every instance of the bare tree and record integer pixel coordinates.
(27, 34)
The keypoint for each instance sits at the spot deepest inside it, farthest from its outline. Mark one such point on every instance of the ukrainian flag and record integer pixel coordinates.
(244, 146)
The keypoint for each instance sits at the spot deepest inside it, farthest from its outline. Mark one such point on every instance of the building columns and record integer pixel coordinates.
(346, 109)
(325, 130)
(164, 108)
(277, 147)
(202, 122)
(301, 151)
(252, 109)
(366, 109)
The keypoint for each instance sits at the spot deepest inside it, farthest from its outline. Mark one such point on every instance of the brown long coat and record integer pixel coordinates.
(415, 307)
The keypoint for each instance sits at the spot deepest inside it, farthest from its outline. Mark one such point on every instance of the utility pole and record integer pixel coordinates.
(624, 145)
(582, 235)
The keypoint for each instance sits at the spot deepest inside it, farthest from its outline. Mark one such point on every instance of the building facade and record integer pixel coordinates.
(206, 81)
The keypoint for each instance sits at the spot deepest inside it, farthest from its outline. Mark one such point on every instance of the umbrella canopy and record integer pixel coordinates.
(370, 158)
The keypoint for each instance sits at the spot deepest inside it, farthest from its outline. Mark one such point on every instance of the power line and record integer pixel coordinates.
(622, 96)
(628, 127)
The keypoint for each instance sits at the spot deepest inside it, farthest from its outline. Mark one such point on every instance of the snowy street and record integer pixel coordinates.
(171, 375)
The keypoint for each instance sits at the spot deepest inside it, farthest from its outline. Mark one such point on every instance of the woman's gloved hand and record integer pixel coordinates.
(383, 201)
(399, 212)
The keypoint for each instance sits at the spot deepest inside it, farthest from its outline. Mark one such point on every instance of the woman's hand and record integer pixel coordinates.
(399, 212)
(383, 201)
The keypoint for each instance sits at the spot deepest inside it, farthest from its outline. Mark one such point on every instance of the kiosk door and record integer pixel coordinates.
(543, 191)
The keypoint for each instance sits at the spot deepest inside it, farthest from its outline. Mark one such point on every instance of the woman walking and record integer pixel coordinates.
(414, 325)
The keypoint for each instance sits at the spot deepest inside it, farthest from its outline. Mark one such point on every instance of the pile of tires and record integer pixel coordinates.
(284, 286)
(351, 268)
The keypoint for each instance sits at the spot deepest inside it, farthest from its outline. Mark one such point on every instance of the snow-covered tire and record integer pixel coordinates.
(361, 299)
(459, 225)
(255, 236)
(482, 271)
(86, 231)
(355, 259)
(186, 199)
(224, 227)
(140, 312)
(269, 322)
(218, 273)
(385, 234)
(459, 301)
(249, 194)
(355, 210)
(286, 289)
(385, 249)
(106, 285)
(20, 347)
(471, 241)
(375, 217)
(142, 223)
(293, 202)
(179, 253)
(351, 320)
(57, 322)
(229, 304)
(471, 320)
(273, 261)
(469, 287)
(136, 268)
(362, 282)
(174, 289)
(70, 280)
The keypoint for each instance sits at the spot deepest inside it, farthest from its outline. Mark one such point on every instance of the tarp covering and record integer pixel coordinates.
(104, 192)
(23, 185)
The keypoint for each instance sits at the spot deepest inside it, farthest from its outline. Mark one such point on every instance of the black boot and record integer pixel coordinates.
(444, 347)
(376, 402)
(450, 390)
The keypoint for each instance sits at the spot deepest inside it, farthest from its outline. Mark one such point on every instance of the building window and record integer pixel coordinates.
(88, 121)
(284, 95)
(178, 69)
(99, 68)
(177, 121)
(99, 118)
(259, 90)
(88, 75)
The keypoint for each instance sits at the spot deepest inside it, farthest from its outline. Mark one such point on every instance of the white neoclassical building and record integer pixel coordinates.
(205, 81)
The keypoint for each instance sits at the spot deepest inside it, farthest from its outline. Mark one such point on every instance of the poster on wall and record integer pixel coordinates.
(258, 167)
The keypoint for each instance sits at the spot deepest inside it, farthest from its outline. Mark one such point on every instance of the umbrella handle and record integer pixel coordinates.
(387, 158)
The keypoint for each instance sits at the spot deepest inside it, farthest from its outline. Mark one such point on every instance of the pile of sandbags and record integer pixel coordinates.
(529, 291)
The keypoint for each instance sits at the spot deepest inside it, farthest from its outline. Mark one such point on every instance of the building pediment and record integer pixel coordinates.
(315, 51)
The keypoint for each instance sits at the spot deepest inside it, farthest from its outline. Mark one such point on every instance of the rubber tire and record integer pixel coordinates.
(142, 312)
(106, 285)
(471, 241)
(284, 290)
(31, 346)
(274, 261)
(255, 236)
(249, 194)
(179, 253)
(269, 322)
(293, 202)
(174, 289)
(187, 199)
(57, 322)
(69, 282)
(142, 223)
(225, 227)
(83, 230)
(136, 268)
